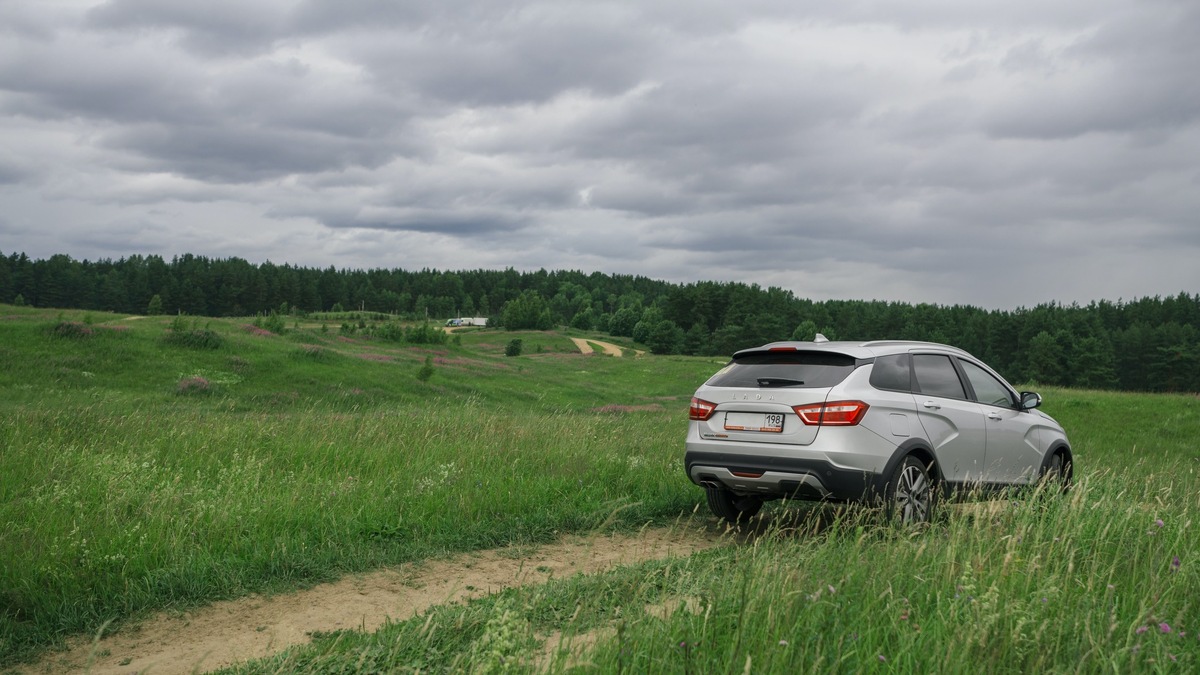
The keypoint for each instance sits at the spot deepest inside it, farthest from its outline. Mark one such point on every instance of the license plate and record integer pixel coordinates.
(768, 422)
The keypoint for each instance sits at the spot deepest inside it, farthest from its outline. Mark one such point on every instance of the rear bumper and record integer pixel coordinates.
(792, 477)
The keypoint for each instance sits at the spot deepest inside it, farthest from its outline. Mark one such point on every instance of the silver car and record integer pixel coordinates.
(899, 422)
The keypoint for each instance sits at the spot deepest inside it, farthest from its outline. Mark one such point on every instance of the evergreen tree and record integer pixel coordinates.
(1045, 359)
(696, 340)
(1092, 364)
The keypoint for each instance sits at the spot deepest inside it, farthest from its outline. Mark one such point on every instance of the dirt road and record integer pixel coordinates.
(609, 348)
(227, 632)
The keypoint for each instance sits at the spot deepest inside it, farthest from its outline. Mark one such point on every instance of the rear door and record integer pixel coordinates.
(953, 423)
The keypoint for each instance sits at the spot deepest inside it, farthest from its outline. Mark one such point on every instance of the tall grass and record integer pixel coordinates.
(1091, 582)
(312, 455)
(106, 515)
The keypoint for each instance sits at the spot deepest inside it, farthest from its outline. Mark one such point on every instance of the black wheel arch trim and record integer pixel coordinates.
(1065, 449)
(909, 447)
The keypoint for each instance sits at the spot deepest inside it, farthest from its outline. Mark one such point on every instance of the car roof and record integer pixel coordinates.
(859, 350)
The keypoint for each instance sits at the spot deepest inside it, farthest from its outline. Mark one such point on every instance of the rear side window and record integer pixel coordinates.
(892, 372)
(807, 370)
(936, 376)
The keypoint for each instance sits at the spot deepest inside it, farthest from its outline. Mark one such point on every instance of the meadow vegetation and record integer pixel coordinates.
(142, 472)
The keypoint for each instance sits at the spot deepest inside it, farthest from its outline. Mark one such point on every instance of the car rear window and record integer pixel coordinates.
(813, 369)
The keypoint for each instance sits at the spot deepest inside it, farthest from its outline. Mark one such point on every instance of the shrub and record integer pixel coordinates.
(192, 386)
(196, 339)
(272, 322)
(426, 370)
(239, 365)
(391, 331)
(181, 334)
(426, 334)
(513, 348)
(71, 330)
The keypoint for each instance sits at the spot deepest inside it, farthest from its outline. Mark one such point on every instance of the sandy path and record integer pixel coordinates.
(609, 348)
(227, 632)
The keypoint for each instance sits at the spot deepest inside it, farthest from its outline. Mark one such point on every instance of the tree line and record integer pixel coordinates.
(1146, 344)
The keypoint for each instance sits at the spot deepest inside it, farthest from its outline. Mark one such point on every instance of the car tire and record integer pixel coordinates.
(1058, 473)
(728, 506)
(912, 494)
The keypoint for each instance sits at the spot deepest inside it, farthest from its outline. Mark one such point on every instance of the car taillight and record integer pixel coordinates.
(701, 409)
(832, 414)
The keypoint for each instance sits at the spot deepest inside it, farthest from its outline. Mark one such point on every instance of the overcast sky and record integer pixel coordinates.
(994, 153)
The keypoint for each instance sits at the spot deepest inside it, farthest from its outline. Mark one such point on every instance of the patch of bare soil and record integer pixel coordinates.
(609, 348)
(224, 633)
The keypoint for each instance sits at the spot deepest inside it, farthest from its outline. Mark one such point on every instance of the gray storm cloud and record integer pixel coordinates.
(990, 153)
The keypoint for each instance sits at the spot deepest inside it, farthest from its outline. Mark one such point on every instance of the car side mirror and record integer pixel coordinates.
(1030, 400)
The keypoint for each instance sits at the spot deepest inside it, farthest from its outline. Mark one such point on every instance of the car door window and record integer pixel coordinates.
(988, 389)
(936, 376)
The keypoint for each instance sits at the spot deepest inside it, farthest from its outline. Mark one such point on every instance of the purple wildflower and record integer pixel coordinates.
(1175, 564)
(882, 658)
(1141, 629)
(1164, 627)
(1159, 522)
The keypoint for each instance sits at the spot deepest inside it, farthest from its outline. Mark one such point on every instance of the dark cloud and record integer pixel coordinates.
(466, 224)
(930, 151)
(11, 173)
(242, 153)
(518, 59)
(213, 27)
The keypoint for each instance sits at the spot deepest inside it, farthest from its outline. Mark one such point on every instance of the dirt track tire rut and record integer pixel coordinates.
(224, 633)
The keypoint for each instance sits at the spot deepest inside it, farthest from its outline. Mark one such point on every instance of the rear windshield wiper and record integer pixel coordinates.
(779, 382)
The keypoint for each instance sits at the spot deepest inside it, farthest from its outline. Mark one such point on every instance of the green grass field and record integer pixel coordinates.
(140, 472)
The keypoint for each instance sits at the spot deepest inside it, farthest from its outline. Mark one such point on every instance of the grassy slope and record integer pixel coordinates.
(307, 455)
(311, 455)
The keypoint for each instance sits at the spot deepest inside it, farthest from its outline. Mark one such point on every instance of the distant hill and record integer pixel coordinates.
(1150, 344)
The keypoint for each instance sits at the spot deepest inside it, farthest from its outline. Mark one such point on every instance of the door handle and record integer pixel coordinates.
(932, 405)
(995, 416)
